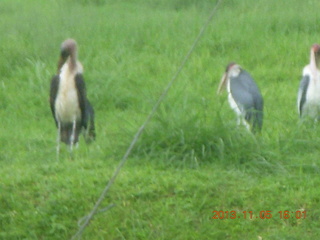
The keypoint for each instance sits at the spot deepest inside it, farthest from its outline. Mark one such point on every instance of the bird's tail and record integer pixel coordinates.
(66, 133)
(90, 133)
(257, 121)
(255, 118)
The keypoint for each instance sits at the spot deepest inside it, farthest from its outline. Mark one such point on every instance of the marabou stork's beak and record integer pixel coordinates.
(223, 83)
(60, 64)
(68, 47)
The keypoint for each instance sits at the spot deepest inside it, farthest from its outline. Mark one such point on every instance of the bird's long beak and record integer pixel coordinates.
(60, 64)
(222, 84)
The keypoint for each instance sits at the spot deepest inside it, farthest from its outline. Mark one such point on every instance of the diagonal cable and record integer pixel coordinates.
(94, 211)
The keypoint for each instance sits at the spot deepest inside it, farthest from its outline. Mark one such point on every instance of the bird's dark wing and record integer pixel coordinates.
(257, 111)
(82, 96)
(244, 90)
(302, 93)
(248, 97)
(53, 94)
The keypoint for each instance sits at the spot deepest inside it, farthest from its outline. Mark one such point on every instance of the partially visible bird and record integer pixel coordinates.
(309, 89)
(70, 107)
(244, 96)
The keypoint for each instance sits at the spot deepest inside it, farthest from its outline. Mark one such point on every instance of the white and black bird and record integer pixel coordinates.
(244, 96)
(70, 107)
(309, 90)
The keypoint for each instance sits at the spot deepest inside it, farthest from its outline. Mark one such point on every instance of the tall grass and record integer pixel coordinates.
(192, 158)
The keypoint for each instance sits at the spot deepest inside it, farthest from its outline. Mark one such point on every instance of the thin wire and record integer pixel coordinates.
(141, 129)
(100, 211)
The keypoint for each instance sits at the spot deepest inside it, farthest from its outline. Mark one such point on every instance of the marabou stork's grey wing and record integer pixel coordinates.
(302, 93)
(248, 97)
(257, 111)
(53, 94)
(82, 97)
(244, 90)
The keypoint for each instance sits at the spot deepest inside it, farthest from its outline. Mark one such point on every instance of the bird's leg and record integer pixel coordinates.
(238, 120)
(246, 124)
(58, 140)
(73, 134)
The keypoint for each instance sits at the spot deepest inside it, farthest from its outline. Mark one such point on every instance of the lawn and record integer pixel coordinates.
(192, 159)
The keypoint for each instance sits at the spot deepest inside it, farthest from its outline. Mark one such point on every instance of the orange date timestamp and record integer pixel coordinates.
(259, 215)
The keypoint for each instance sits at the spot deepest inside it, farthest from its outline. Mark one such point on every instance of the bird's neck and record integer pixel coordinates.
(72, 62)
(317, 63)
(314, 65)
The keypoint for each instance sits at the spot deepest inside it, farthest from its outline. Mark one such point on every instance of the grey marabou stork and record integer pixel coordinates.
(70, 107)
(309, 90)
(244, 96)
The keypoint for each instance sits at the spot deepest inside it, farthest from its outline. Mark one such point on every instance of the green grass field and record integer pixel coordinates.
(192, 159)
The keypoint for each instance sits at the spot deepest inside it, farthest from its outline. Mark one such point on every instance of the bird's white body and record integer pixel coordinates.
(311, 106)
(67, 102)
(309, 89)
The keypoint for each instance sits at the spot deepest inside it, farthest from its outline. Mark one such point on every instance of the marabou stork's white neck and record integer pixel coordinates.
(315, 61)
(69, 55)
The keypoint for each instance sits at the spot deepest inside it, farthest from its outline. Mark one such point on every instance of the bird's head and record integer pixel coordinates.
(68, 49)
(316, 52)
(232, 70)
